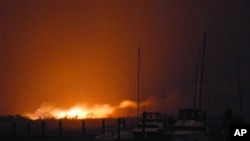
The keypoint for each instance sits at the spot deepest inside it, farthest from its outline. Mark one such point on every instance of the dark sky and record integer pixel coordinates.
(70, 51)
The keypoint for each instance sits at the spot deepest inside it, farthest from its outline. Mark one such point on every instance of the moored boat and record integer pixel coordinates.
(191, 125)
(150, 125)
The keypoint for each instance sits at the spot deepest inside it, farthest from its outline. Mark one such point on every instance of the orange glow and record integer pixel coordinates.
(80, 111)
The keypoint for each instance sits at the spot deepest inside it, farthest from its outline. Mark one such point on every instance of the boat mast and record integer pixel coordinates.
(197, 80)
(198, 91)
(138, 84)
(202, 69)
(239, 86)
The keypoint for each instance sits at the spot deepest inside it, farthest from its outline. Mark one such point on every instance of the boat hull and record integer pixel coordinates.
(148, 134)
(191, 137)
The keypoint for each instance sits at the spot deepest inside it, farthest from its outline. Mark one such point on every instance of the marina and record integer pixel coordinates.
(92, 129)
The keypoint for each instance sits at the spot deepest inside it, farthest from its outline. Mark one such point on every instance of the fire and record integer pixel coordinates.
(80, 111)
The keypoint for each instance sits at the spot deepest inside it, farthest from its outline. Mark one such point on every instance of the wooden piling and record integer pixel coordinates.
(83, 127)
(29, 129)
(14, 129)
(60, 127)
(123, 123)
(43, 128)
(118, 129)
(144, 125)
(103, 126)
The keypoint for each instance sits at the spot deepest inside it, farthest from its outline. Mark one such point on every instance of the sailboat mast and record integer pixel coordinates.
(138, 84)
(239, 86)
(196, 96)
(202, 70)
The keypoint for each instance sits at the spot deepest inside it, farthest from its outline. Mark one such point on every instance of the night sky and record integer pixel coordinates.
(65, 52)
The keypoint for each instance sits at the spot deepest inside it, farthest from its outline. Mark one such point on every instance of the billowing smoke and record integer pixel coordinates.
(170, 102)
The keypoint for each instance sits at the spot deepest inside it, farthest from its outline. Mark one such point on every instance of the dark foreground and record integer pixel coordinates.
(87, 139)
(77, 130)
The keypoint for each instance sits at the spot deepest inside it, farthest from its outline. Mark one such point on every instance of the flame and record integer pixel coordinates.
(80, 111)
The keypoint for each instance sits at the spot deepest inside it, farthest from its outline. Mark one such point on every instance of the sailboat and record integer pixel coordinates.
(191, 124)
(112, 133)
(150, 124)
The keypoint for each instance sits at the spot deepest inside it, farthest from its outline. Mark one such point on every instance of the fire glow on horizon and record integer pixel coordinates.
(79, 111)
